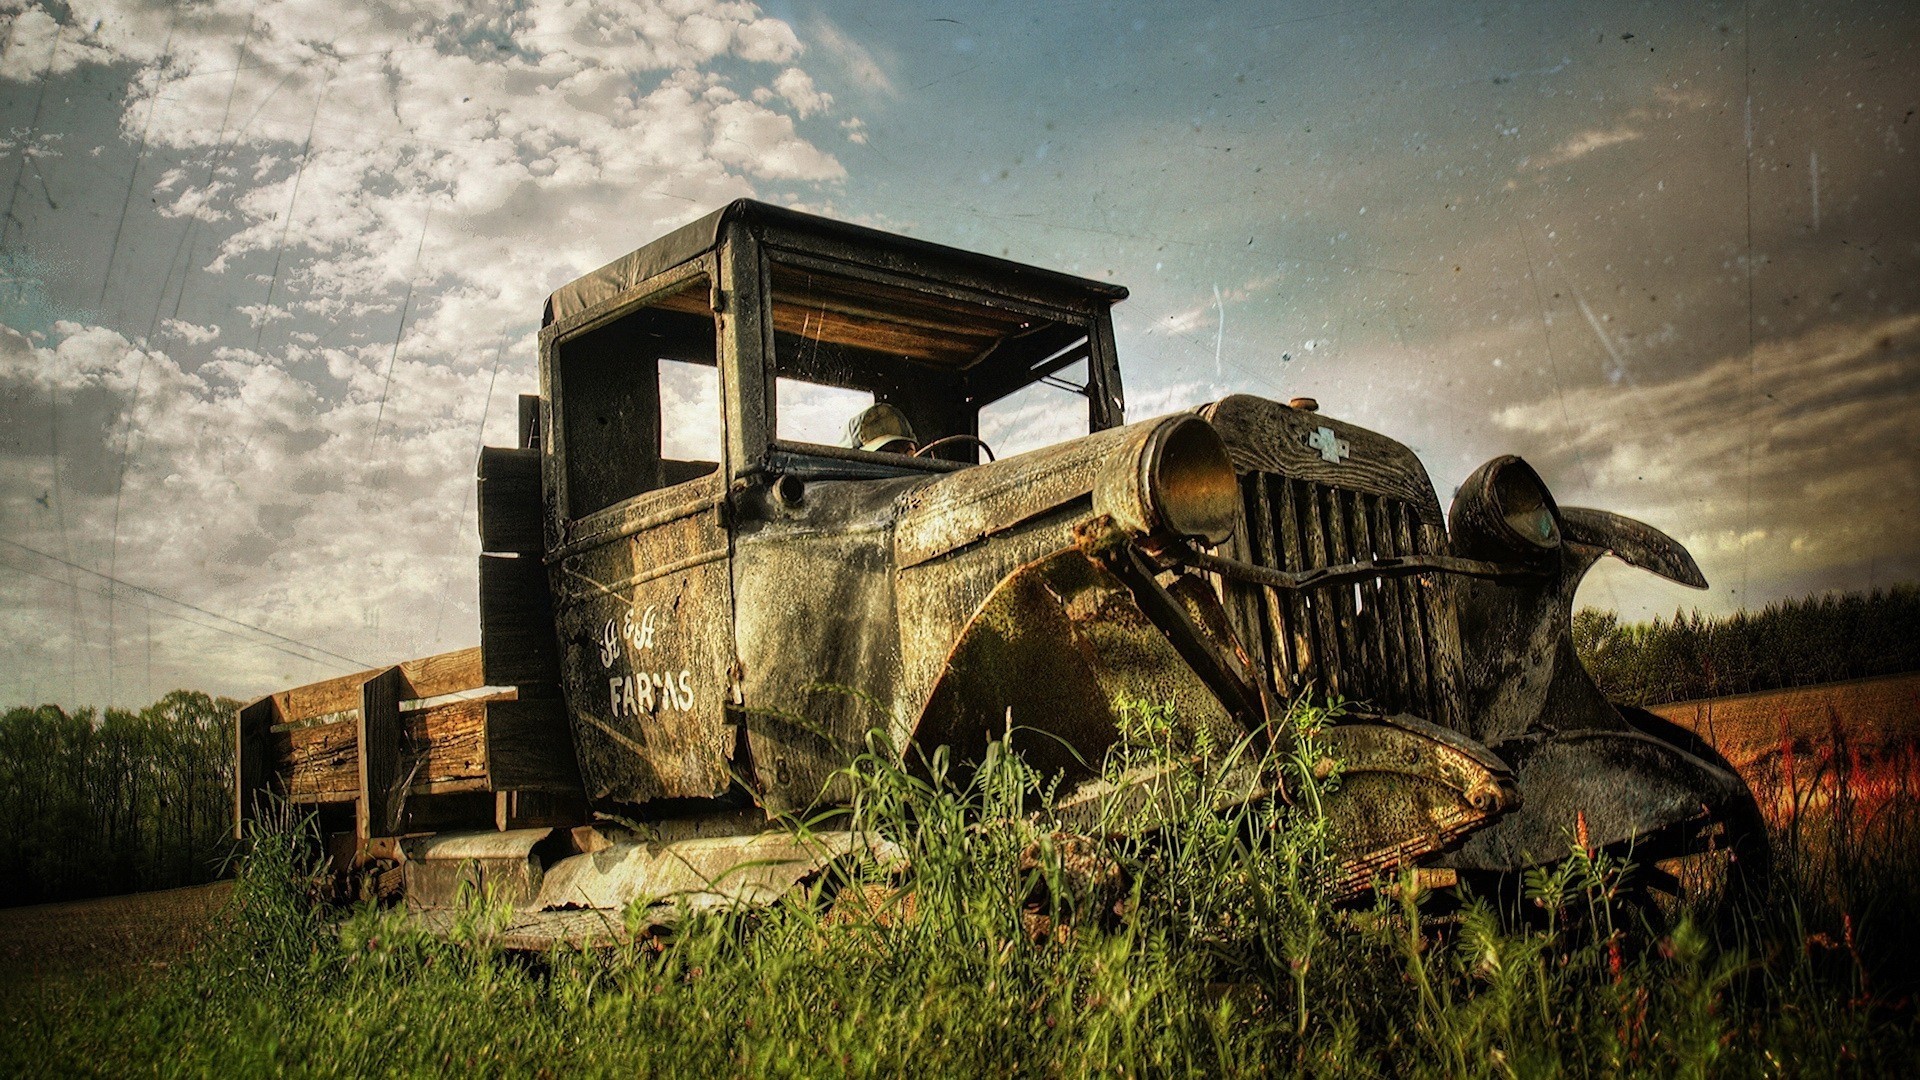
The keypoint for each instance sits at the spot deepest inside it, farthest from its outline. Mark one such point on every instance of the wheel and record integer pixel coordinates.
(1727, 849)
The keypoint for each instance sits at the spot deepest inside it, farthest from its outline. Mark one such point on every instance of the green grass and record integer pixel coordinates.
(1223, 957)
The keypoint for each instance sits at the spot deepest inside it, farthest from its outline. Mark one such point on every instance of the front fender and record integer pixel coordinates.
(1635, 543)
(1532, 701)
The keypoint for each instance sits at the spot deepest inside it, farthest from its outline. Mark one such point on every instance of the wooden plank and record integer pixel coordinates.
(252, 772)
(444, 673)
(320, 763)
(379, 753)
(510, 508)
(530, 747)
(336, 695)
(516, 622)
(448, 741)
(430, 676)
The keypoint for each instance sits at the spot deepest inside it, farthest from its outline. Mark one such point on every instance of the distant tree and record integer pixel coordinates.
(1789, 643)
(92, 805)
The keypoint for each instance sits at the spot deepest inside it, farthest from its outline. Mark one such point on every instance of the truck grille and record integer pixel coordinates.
(1386, 644)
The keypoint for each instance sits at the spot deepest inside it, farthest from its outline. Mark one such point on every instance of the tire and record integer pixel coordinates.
(1731, 842)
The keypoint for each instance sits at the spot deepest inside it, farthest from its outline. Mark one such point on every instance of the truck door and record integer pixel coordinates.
(643, 604)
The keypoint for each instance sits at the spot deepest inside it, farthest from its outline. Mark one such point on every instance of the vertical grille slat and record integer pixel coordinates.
(1377, 643)
(1412, 616)
(1371, 626)
(1390, 640)
(1286, 522)
(1273, 619)
(1326, 633)
(1352, 655)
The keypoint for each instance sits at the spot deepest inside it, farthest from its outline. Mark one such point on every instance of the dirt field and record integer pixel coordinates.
(137, 932)
(1795, 746)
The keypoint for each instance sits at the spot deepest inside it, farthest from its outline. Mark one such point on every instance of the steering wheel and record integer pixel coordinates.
(946, 440)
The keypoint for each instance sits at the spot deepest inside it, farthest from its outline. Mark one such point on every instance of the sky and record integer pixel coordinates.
(271, 270)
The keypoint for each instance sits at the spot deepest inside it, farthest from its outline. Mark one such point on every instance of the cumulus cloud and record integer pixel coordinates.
(240, 487)
(499, 146)
(402, 183)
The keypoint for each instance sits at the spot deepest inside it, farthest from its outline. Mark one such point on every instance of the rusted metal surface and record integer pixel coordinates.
(645, 621)
(714, 640)
(445, 869)
(1057, 651)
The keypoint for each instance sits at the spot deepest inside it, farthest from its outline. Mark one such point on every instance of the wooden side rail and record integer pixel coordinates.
(306, 743)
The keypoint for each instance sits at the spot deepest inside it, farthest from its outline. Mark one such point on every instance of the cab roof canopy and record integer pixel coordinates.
(783, 230)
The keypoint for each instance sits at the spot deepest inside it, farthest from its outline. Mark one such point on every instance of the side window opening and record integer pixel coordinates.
(816, 413)
(639, 401)
(1052, 410)
(690, 437)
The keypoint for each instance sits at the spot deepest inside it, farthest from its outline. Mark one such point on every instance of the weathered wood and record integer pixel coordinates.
(516, 622)
(1410, 589)
(325, 698)
(444, 748)
(1272, 608)
(1266, 436)
(529, 747)
(429, 676)
(379, 753)
(1355, 679)
(1392, 600)
(252, 772)
(444, 673)
(510, 513)
(1286, 520)
(1244, 603)
(1381, 660)
(320, 764)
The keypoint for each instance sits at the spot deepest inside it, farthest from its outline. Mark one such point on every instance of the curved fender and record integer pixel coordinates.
(1635, 543)
(1051, 657)
(1535, 704)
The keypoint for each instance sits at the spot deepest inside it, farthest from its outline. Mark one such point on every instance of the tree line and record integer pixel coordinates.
(94, 805)
(1787, 643)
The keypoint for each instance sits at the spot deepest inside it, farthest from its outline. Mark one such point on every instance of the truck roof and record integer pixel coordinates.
(901, 253)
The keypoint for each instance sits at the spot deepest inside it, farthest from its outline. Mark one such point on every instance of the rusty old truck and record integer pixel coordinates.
(697, 598)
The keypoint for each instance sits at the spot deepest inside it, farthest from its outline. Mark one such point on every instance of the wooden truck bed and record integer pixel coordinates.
(384, 738)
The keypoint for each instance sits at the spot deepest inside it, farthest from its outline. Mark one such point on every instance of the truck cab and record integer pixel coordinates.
(715, 550)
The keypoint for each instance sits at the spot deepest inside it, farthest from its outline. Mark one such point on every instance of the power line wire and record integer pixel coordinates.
(171, 615)
(144, 591)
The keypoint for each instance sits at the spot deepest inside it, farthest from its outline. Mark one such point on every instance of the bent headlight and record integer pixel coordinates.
(1504, 511)
(1171, 477)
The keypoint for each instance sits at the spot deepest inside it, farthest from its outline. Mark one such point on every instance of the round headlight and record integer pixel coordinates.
(1504, 511)
(1172, 477)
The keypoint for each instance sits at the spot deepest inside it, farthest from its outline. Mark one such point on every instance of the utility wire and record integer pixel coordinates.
(171, 615)
(144, 591)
